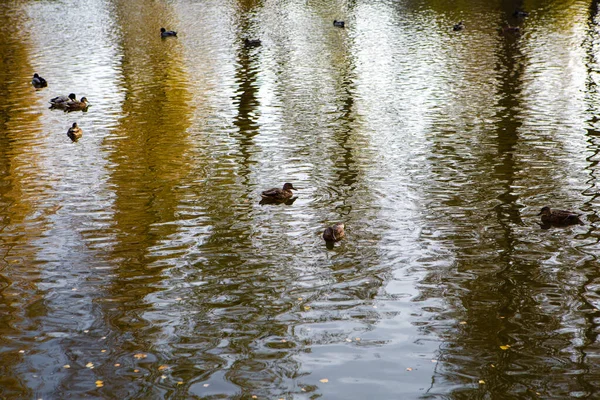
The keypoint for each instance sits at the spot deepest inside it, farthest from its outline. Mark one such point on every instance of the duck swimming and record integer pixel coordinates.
(165, 33)
(459, 27)
(38, 81)
(252, 42)
(339, 24)
(279, 194)
(75, 105)
(334, 232)
(74, 133)
(559, 217)
(61, 100)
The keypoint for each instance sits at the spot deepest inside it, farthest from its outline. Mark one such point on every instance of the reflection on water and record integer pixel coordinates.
(139, 261)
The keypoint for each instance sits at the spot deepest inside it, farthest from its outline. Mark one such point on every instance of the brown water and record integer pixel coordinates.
(140, 256)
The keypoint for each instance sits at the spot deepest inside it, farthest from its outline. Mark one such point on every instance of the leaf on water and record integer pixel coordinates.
(163, 377)
(139, 356)
(103, 337)
(178, 299)
(307, 308)
(481, 381)
(409, 369)
(117, 365)
(180, 383)
(163, 367)
(299, 298)
(302, 389)
(66, 366)
(325, 380)
(463, 322)
(90, 365)
(283, 341)
(254, 396)
(99, 383)
(86, 331)
(74, 289)
(136, 370)
(206, 385)
(21, 351)
(348, 340)
(357, 339)
(102, 351)
(505, 347)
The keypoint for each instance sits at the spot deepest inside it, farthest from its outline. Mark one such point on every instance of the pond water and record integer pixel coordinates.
(137, 263)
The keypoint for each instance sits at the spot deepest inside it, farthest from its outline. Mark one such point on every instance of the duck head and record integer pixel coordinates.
(545, 211)
(288, 186)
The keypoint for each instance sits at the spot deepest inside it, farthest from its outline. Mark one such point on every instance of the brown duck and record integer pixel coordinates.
(559, 217)
(75, 105)
(74, 133)
(277, 194)
(334, 232)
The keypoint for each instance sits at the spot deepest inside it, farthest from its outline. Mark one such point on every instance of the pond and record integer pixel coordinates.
(139, 263)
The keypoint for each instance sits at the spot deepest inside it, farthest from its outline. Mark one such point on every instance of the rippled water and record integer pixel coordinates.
(138, 263)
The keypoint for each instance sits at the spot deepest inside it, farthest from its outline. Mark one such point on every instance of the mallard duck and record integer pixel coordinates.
(334, 232)
(74, 132)
(165, 33)
(559, 217)
(77, 105)
(339, 24)
(252, 42)
(62, 100)
(279, 194)
(459, 27)
(520, 13)
(38, 81)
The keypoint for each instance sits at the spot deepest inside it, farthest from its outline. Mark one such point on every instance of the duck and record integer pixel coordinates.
(559, 217)
(459, 27)
(38, 81)
(252, 42)
(334, 232)
(520, 13)
(165, 33)
(75, 105)
(510, 29)
(339, 24)
(62, 100)
(279, 194)
(74, 132)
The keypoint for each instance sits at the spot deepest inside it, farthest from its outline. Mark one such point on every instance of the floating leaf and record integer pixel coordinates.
(178, 299)
(99, 383)
(66, 366)
(254, 396)
(102, 351)
(74, 289)
(307, 308)
(409, 369)
(357, 339)
(325, 380)
(163, 377)
(139, 356)
(136, 370)
(86, 331)
(505, 347)
(90, 365)
(481, 381)
(283, 341)
(117, 365)
(21, 351)
(180, 383)
(463, 322)
(163, 367)
(206, 385)
(348, 340)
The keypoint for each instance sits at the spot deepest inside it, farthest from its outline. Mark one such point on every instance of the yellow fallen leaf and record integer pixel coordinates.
(21, 351)
(481, 381)
(463, 322)
(409, 369)
(66, 366)
(139, 356)
(90, 365)
(163, 377)
(307, 308)
(102, 351)
(302, 389)
(325, 380)
(180, 383)
(254, 396)
(99, 383)
(505, 347)
(117, 365)
(163, 367)
(136, 370)
(299, 298)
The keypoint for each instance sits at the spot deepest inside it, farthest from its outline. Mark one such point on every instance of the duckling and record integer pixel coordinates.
(334, 232)
(559, 217)
(339, 24)
(279, 194)
(252, 42)
(165, 33)
(459, 27)
(38, 81)
(75, 105)
(62, 100)
(74, 133)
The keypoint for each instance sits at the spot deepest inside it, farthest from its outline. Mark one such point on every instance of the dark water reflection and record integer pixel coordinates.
(141, 258)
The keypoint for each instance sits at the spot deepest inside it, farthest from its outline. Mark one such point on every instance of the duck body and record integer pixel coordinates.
(252, 42)
(279, 194)
(559, 217)
(74, 133)
(75, 105)
(339, 24)
(334, 232)
(165, 33)
(38, 81)
(60, 101)
(458, 27)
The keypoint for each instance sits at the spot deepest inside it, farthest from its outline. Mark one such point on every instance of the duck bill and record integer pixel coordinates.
(540, 213)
